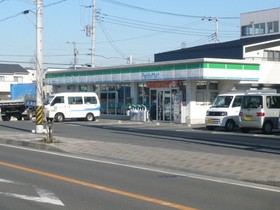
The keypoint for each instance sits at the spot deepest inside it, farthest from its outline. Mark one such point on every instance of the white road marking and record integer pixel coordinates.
(7, 181)
(45, 196)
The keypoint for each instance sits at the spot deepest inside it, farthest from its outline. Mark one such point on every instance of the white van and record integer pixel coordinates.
(224, 111)
(260, 111)
(81, 105)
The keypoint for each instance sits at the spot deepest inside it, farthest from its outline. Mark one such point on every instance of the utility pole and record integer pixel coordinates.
(216, 34)
(39, 67)
(75, 52)
(93, 34)
(217, 30)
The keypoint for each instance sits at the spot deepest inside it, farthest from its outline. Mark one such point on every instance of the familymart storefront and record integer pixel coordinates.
(177, 91)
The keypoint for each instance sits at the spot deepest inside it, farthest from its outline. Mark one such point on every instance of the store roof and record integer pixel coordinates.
(226, 50)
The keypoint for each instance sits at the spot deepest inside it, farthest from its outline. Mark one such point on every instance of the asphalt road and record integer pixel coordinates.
(39, 180)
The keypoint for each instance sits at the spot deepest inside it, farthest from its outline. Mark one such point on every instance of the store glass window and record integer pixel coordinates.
(206, 92)
(213, 85)
(143, 93)
(115, 99)
(183, 90)
(124, 98)
(200, 98)
(201, 85)
(83, 88)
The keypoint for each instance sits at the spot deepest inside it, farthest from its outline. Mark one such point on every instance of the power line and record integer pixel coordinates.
(160, 12)
(155, 28)
(10, 17)
(55, 3)
(111, 41)
(148, 24)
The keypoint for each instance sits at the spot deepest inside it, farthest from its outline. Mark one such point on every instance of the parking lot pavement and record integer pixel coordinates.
(252, 169)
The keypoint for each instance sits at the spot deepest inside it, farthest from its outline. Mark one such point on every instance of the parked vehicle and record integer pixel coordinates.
(260, 111)
(224, 111)
(80, 105)
(22, 103)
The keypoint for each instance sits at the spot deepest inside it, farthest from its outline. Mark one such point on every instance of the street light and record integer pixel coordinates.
(39, 65)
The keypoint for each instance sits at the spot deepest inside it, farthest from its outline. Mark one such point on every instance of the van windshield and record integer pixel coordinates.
(48, 100)
(222, 101)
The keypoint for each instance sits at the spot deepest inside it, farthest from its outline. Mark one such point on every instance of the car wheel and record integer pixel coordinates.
(267, 128)
(29, 115)
(6, 118)
(59, 117)
(89, 117)
(230, 125)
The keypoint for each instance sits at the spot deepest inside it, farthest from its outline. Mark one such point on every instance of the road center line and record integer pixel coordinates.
(99, 187)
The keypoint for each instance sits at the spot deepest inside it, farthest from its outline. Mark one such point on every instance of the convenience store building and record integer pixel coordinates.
(181, 85)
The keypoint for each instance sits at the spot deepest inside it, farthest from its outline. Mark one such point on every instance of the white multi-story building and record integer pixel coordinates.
(260, 23)
(13, 74)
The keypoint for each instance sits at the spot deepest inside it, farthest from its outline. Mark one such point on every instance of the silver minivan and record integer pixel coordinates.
(224, 111)
(260, 111)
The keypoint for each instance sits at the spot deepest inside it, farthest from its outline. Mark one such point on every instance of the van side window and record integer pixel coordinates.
(237, 101)
(252, 102)
(58, 100)
(90, 100)
(273, 101)
(75, 100)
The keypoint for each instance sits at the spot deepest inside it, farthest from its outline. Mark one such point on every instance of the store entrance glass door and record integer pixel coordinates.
(165, 105)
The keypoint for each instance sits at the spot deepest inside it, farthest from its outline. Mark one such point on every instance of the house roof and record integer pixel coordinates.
(12, 68)
(231, 50)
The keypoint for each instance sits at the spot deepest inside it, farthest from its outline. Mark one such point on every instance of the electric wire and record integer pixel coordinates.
(158, 11)
(111, 41)
(156, 27)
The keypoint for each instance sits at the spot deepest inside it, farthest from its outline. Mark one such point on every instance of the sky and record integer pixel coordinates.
(135, 29)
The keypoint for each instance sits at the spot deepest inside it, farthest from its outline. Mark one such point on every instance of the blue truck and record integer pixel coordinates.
(22, 103)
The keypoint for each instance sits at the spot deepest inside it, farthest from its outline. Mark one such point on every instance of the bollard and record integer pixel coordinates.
(50, 130)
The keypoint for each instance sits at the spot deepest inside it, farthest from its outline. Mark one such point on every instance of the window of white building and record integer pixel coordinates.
(259, 28)
(247, 30)
(18, 79)
(273, 27)
(2, 79)
(271, 55)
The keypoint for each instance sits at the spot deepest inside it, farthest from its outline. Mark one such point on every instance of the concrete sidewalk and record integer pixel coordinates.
(257, 170)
